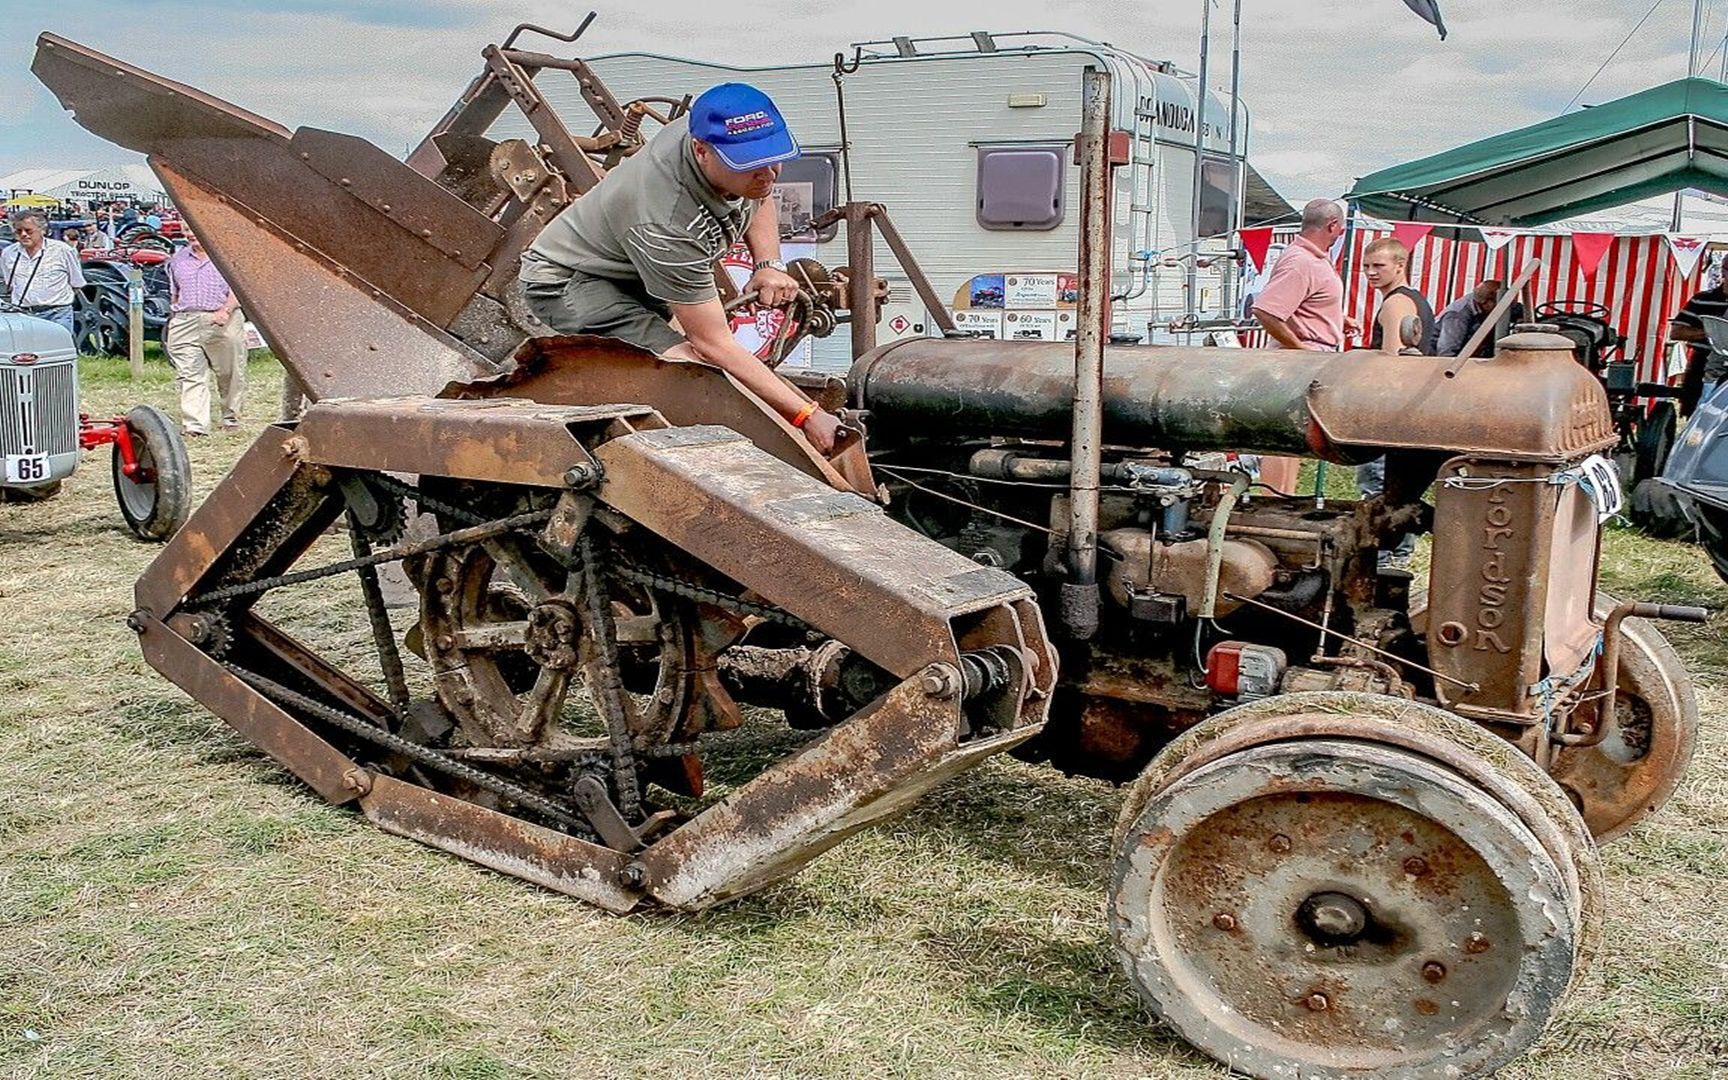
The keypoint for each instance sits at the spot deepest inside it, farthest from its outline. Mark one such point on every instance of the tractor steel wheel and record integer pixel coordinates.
(1324, 907)
(157, 499)
(1634, 771)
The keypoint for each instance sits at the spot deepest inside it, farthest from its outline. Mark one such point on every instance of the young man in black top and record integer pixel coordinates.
(1386, 262)
(1705, 367)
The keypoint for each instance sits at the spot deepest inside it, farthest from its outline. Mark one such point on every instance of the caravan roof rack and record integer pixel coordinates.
(981, 41)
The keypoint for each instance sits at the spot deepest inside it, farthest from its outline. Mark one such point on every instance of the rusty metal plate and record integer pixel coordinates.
(864, 579)
(876, 764)
(1342, 909)
(593, 371)
(509, 845)
(504, 440)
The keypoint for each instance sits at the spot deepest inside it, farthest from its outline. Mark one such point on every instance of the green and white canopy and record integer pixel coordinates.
(1658, 140)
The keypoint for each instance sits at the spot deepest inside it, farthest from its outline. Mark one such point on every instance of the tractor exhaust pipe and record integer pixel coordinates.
(1080, 592)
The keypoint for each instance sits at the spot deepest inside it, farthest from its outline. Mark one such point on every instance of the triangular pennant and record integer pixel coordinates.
(1687, 251)
(1257, 242)
(1499, 238)
(1587, 251)
(1410, 233)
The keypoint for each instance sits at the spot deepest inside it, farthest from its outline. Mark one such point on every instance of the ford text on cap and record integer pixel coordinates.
(743, 126)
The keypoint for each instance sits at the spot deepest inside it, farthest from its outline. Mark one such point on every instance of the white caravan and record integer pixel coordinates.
(968, 143)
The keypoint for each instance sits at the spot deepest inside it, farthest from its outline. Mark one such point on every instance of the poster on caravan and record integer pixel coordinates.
(1029, 325)
(986, 322)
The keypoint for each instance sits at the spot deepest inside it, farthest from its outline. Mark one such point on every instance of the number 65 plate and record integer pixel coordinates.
(26, 468)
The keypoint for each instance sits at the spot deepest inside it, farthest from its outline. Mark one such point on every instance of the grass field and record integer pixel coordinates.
(172, 904)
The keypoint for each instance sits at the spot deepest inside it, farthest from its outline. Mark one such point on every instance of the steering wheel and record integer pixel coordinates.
(1587, 308)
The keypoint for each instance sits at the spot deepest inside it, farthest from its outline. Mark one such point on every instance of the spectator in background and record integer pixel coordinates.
(1464, 316)
(153, 219)
(39, 274)
(1302, 307)
(1705, 367)
(1386, 264)
(128, 216)
(205, 333)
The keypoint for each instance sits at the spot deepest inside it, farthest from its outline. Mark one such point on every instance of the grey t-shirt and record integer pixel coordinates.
(653, 219)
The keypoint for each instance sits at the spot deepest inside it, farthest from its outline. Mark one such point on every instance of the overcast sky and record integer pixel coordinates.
(1338, 88)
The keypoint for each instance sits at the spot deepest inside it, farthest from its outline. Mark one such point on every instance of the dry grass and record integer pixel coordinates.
(171, 904)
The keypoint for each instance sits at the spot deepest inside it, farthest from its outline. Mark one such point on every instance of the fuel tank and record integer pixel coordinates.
(1529, 402)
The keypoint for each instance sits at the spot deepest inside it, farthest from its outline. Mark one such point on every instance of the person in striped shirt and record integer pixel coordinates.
(205, 333)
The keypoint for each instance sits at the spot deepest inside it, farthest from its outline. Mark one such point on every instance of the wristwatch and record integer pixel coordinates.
(770, 264)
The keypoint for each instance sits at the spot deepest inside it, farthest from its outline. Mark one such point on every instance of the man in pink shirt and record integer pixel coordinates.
(1302, 307)
(206, 332)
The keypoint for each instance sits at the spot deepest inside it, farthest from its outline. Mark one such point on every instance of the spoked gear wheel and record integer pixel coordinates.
(511, 642)
(1333, 885)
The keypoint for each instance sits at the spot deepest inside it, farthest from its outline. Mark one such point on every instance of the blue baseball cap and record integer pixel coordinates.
(743, 126)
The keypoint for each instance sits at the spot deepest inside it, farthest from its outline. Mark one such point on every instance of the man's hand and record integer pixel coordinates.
(772, 287)
(220, 317)
(821, 429)
(1352, 328)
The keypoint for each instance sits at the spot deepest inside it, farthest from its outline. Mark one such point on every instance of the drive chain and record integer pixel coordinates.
(413, 751)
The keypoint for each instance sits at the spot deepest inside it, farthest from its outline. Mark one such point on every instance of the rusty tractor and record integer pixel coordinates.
(1360, 825)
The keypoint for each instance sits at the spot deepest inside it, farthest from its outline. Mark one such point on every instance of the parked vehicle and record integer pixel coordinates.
(42, 433)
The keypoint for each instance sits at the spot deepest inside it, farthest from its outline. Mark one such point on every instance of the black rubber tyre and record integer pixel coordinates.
(1655, 509)
(154, 510)
(1713, 535)
(1655, 438)
(30, 494)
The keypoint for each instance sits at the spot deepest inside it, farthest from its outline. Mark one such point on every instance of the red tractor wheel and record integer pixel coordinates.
(156, 498)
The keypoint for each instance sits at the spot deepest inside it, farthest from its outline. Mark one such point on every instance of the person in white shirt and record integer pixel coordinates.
(38, 274)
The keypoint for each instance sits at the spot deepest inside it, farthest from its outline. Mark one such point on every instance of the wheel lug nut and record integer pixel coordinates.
(1318, 1002)
(1433, 971)
(1224, 921)
(1415, 866)
(1476, 943)
(444, 642)
(1279, 843)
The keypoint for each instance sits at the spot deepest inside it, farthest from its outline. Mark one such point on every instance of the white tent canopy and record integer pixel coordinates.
(134, 182)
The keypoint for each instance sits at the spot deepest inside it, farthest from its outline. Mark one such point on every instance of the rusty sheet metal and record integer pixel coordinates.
(1527, 404)
(593, 370)
(1494, 547)
(502, 440)
(874, 765)
(255, 632)
(303, 251)
(831, 558)
(506, 844)
(219, 520)
(265, 725)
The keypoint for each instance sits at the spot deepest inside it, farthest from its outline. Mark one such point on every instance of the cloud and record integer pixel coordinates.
(1338, 88)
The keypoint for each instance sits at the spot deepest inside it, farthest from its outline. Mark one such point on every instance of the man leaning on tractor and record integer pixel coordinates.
(638, 251)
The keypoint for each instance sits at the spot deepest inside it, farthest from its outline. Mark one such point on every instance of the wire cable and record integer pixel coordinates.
(1612, 55)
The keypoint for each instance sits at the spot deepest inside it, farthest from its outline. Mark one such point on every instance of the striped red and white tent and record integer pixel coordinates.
(1637, 281)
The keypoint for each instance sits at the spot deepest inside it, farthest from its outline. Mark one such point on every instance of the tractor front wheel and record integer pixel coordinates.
(157, 498)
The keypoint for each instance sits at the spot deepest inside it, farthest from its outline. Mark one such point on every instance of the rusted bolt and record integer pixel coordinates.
(446, 585)
(295, 447)
(1452, 633)
(634, 875)
(1477, 942)
(581, 475)
(1318, 1002)
(1279, 843)
(359, 781)
(1224, 921)
(135, 622)
(1584, 727)
(940, 681)
(1415, 866)
(1433, 971)
(385, 207)
(444, 642)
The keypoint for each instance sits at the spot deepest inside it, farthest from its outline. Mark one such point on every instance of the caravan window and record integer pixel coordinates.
(808, 187)
(1217, 192)
(1020, 187)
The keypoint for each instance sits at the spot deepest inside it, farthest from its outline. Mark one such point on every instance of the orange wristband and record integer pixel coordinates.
(804, 415)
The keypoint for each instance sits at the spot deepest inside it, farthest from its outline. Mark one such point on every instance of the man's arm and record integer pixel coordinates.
(74, 268)
(762, 236)
(710, 340)
(221, 315)
(1390, 319)
(1278, 328)
(1685, 331)
(1454, 332)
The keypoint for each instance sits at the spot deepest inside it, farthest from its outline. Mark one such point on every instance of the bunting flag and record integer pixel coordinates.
(1410, 233)
(1687, 250)
(1499, 238)
(1587, 251)
(1257, 242)
(1428, 11)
